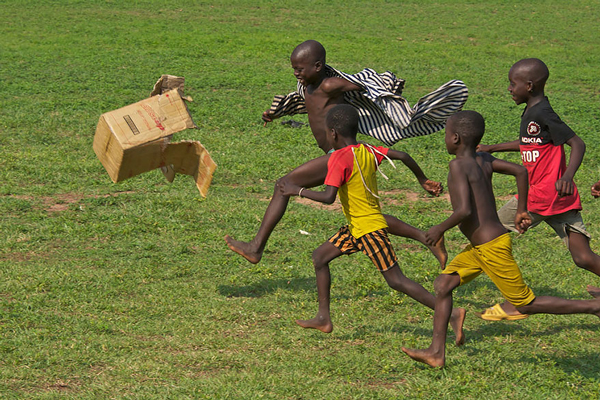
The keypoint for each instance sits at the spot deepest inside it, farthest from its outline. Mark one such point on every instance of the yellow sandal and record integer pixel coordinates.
(496, 313)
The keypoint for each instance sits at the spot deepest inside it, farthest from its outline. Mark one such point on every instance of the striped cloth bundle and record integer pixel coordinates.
(384, 113)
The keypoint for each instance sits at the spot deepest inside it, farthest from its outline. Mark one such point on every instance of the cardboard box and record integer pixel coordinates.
(136, 139)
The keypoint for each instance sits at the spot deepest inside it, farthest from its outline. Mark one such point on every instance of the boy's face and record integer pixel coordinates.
(306, 70)
(518, 85)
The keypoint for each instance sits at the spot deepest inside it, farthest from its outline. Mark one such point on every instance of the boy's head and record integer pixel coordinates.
(464, 128)
(308, 60)
(527, 78)
(342, 120)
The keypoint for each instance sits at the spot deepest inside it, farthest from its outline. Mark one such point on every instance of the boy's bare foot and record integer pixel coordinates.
(426, 356)
(593, 290)
(316, 323)
(457, 319)
(439, 251)
(244, 249)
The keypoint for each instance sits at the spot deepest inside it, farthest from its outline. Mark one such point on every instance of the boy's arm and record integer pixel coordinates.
(522, 217)
(290, 104)
(335, 86)
(458, 187)
(565, 185)
(493, 148)
(432, 187)
(290, 189)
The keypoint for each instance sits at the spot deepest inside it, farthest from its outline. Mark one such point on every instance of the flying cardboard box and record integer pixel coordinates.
(136, 139)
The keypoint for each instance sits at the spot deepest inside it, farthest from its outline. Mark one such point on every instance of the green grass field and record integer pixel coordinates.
(128, 290)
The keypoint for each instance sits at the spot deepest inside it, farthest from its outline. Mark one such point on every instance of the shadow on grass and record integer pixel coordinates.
(585, 364)
(267, 286)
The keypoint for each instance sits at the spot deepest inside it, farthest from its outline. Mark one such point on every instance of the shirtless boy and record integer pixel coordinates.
(490, 249)
(321, 92)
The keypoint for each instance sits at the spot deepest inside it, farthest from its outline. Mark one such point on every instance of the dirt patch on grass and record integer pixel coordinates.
(62, 202)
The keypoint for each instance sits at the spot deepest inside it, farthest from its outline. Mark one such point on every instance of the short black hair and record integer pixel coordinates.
(533, 69)
(343, 118)
(469, 125)
(312, 49)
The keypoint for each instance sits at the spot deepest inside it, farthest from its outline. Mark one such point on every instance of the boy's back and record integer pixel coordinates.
(353, 170)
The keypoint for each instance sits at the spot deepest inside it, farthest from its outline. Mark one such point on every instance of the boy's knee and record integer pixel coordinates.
(445, 283)
(584, 259)
(280, 181)
(318, 258)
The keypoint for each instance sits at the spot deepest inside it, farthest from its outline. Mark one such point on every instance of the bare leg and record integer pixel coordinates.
(397, 227)
(557, 305)
(435, 354)
(309, 174)
(398, 281)
(321, 258)
(583, 256)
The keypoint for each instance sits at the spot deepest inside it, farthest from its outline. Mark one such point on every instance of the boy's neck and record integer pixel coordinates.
(466, 152)
(535, 99)
(345, 142)
(318, 81)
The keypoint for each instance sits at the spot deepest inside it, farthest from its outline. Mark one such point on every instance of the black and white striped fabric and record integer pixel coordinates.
(384, 113)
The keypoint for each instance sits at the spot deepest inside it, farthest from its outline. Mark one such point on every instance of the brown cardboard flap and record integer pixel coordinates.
(191, 158)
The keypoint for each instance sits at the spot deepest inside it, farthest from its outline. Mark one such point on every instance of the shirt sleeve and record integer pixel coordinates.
(380, 153)
(339, 168)
(559, 132)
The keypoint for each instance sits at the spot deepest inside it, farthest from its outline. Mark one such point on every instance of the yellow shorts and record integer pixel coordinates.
(496, 260)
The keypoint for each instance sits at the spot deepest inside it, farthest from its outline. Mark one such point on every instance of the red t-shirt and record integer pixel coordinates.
(542, 138)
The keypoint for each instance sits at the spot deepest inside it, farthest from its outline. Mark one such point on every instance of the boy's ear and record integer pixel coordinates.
(456, 138)
(530, 86)
(318, 65)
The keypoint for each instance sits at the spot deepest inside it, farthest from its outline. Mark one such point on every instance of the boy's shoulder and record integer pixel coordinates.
(539, 109)
(485, 157)
(462, 165)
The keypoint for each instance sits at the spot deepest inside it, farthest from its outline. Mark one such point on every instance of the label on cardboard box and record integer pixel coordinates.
(148, 120)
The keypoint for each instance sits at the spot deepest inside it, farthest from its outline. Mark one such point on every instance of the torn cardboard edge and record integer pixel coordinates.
(137, 138)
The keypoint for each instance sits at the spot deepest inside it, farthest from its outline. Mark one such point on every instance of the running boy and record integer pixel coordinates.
(553, 196)
(320, 87)
(352, 172)
(490, 249)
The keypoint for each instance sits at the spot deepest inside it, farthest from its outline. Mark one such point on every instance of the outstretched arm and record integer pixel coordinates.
(565, 185)
(290, 104)
(432, 187)
(493, 148)
(522, 217)
(335, 86)
(458, 187)
(290, 189)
